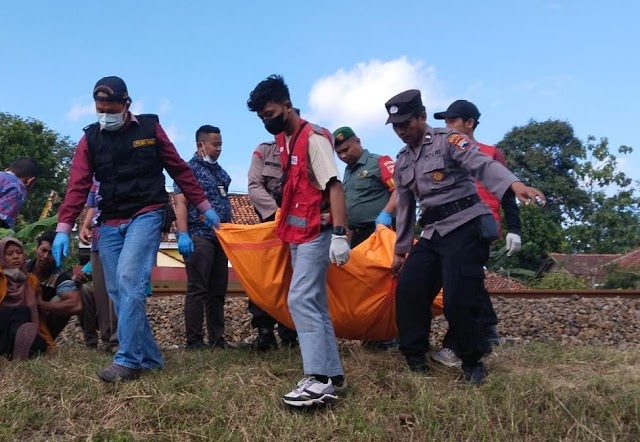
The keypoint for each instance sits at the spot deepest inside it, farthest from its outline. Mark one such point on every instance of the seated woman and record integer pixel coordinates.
(19, 336)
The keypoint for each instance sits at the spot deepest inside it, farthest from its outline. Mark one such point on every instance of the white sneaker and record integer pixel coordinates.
(447, 357)
(310, 391)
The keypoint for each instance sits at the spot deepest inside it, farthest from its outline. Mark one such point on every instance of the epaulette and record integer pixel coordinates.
(151, 116)
(89, 126)
(402, 151)
(442, 130)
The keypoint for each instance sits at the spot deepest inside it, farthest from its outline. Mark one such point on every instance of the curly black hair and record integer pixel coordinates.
(273, 88)
(48, 236)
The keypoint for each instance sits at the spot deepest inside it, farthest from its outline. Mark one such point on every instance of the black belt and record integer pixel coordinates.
(434, 214)
(363, 227)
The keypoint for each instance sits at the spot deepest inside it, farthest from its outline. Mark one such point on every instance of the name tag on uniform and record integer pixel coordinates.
(144, 142)
(294, 160)
(223, 192)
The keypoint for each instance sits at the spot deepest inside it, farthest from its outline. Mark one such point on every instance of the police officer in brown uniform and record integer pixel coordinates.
(264, 176)
(436, 168)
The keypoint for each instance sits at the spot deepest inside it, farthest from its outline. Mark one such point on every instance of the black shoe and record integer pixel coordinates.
(265, 341)
(418, 365)
(221, 344)
(197, 346)
(289, 343)
(474, 375)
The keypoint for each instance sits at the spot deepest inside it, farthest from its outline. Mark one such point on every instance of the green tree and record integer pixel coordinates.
(547, 155)
(559, 281)
(30, 137)
(618, 278)
(591, 205)
(541, 235)
(609, 223)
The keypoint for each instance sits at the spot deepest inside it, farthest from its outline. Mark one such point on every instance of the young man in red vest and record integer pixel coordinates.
(462, 116)
(312, 222)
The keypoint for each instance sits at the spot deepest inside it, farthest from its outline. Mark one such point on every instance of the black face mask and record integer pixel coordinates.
(275, 125)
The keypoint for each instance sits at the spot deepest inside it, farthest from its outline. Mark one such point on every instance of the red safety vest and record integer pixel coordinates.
(487, 197)
(301, 201)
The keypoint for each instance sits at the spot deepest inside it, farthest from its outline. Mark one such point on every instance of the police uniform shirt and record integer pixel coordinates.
(366, 190)
(264, 173)
(439, 172)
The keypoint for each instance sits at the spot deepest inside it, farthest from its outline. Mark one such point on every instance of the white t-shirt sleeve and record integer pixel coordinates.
(322, 163)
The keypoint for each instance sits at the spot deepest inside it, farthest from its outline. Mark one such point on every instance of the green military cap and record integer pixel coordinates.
(342, 134)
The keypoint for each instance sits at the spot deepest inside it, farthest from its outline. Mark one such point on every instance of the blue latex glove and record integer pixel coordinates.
(211, 219)
(185, 245)
(60, 247)
(384, 218)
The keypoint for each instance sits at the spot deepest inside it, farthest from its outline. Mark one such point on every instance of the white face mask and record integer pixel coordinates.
(111, 122)
(207, 159)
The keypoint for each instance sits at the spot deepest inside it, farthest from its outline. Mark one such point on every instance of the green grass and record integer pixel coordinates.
(534, 393)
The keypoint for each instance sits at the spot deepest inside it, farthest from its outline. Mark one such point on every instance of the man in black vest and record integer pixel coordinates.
(127, 154)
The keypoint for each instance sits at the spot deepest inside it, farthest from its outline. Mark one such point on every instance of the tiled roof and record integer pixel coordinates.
(630, 260)
(242, 212)
(583, 264)
(494, 281)
(241, 209)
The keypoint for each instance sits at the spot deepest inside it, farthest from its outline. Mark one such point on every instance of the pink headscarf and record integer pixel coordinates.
(19, 291)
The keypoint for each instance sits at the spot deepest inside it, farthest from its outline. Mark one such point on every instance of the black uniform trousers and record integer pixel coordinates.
(455, 263)
(208, 276)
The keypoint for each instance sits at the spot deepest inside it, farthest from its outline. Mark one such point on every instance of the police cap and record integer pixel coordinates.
(114, 88)
(459, 108)
(403, 106)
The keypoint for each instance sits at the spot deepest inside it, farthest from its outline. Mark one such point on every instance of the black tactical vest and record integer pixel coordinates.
(128, 167)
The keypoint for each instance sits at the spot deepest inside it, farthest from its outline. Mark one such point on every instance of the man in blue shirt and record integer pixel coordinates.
(207, 265)
(15, 182)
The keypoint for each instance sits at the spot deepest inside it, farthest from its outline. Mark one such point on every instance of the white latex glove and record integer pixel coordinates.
(514, 243)
(339, 250)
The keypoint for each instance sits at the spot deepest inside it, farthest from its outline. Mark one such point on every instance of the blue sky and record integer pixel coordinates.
(195, 63)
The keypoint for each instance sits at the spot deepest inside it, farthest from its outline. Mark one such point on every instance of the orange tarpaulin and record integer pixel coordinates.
(361, 293)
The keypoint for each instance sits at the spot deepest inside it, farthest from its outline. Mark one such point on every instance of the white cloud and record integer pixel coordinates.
(137, 107)
(164, 107)
(81, 109)
(547, 86)
(173, 133)
(356, 97)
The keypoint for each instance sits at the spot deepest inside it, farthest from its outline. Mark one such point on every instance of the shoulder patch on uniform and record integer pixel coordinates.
(460, 141)
(257, 153)
(89, 126)
(323, 131)
(150, 116)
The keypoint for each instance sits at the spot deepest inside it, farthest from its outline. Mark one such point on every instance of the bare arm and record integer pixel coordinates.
(85, 230)
(337, 201)
(181, 212)
(70, 304)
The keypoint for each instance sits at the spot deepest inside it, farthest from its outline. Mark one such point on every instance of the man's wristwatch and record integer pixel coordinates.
(339, 230)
